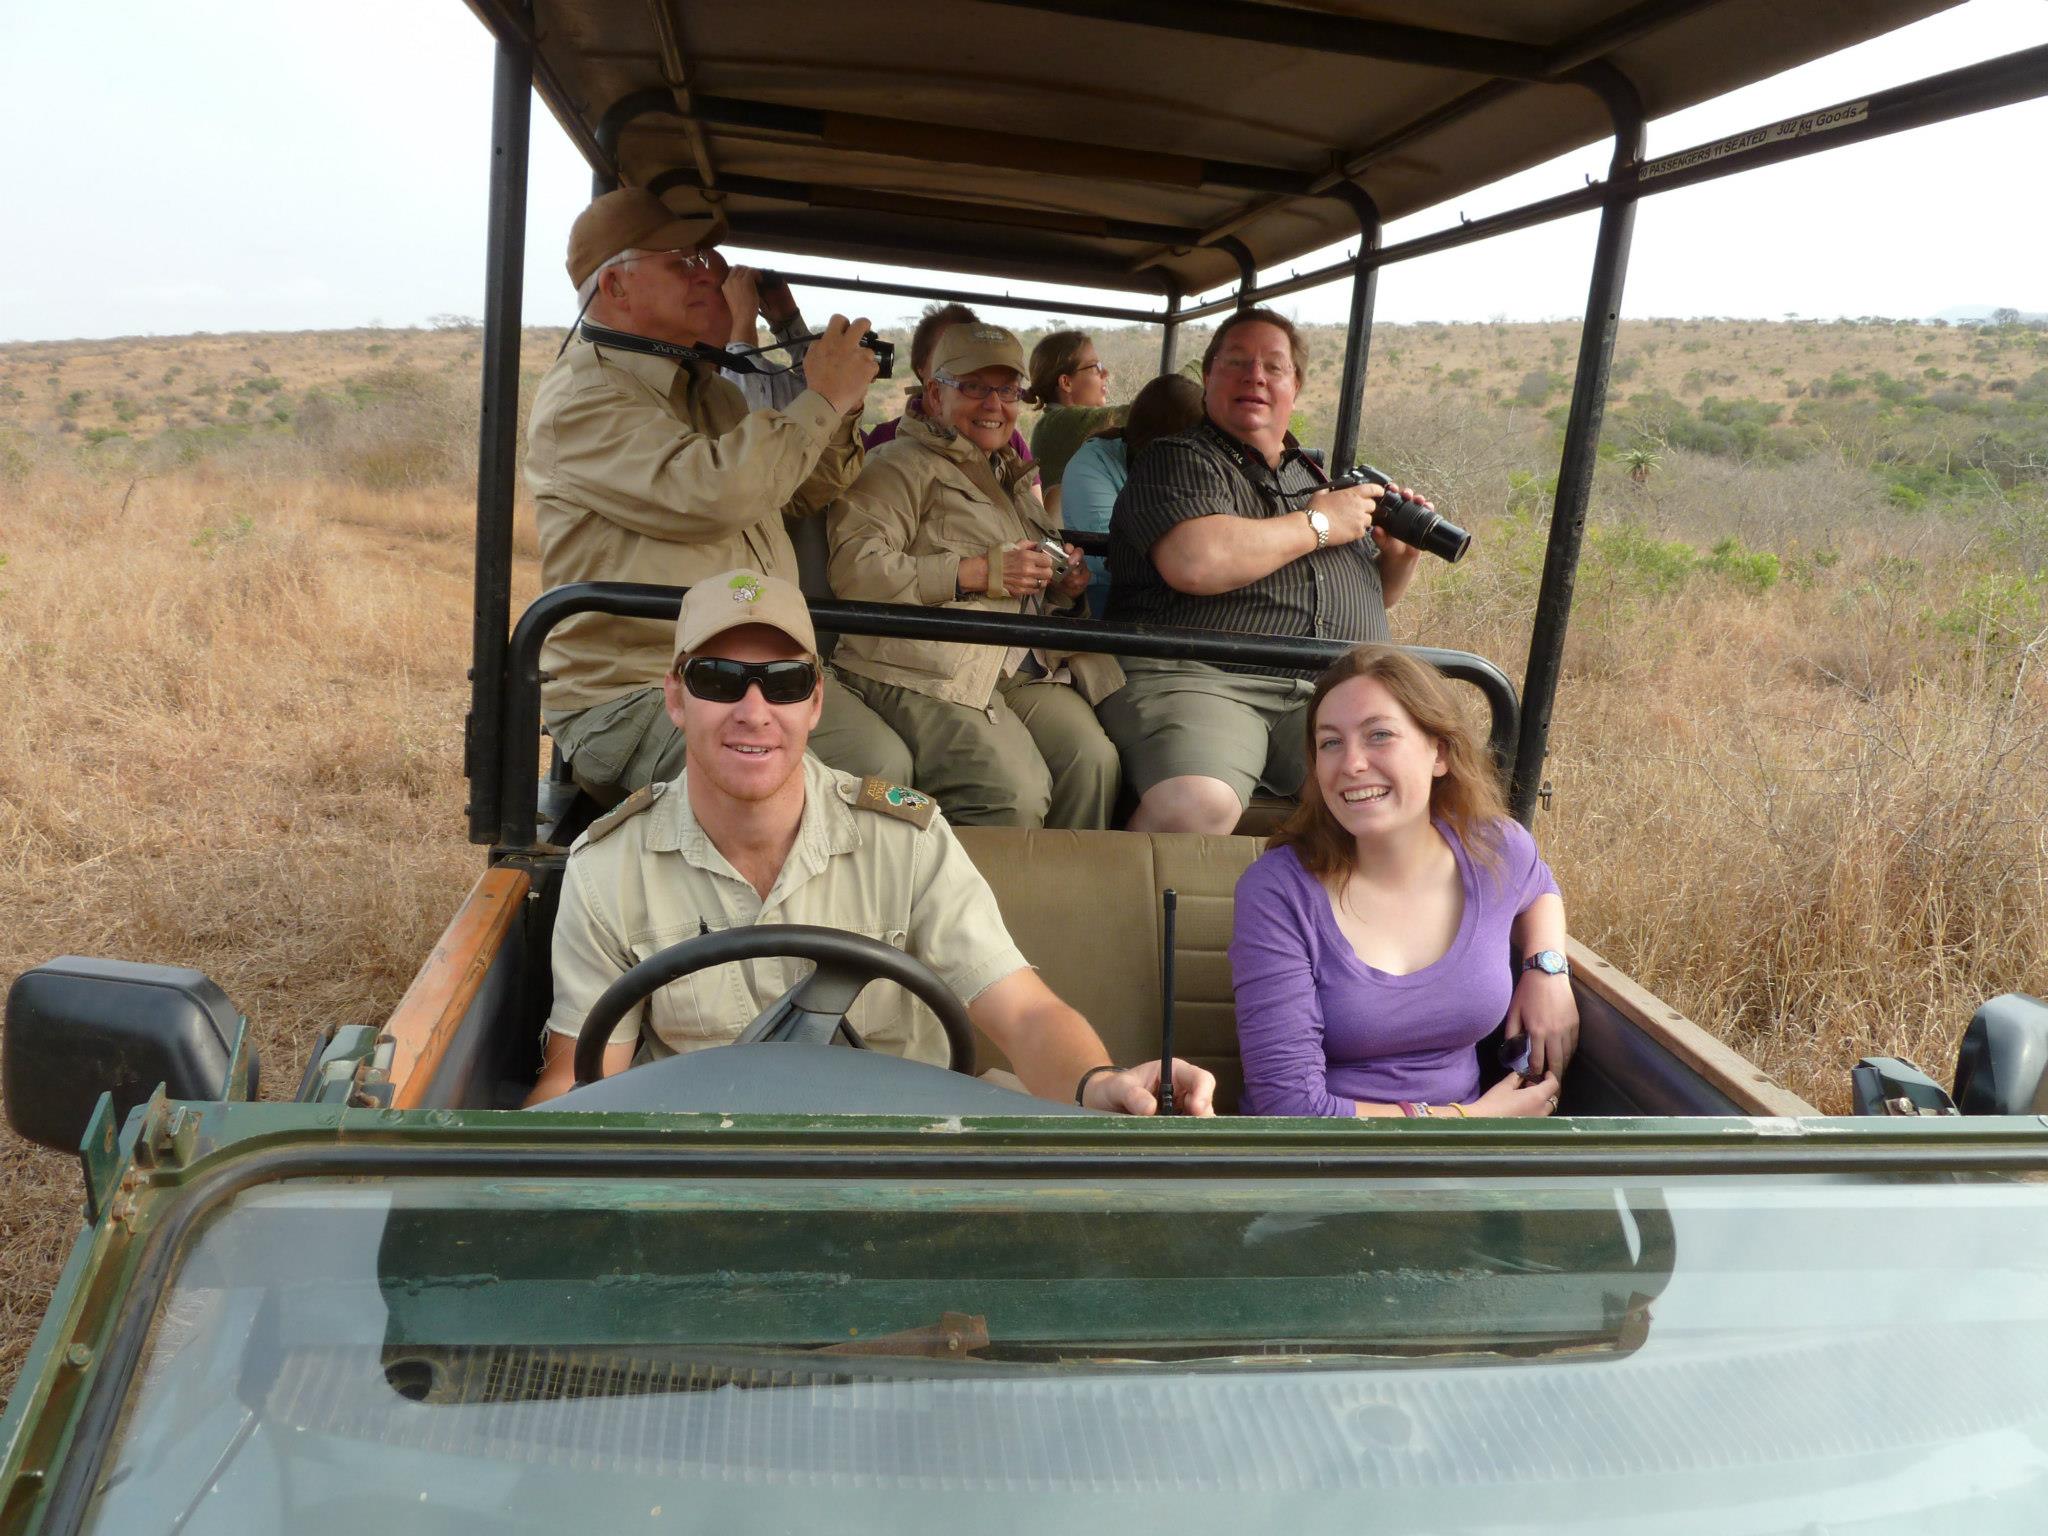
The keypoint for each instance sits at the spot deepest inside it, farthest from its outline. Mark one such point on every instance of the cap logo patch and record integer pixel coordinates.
(745, 588)
(989, 333)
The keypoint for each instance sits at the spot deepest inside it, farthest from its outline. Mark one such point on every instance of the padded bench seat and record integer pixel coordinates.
(1085, 909)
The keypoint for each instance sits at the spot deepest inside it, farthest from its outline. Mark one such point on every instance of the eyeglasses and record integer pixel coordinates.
(1101, 368)
(1238, 362)
(687, 262)
(719, 680)
(1009, 394)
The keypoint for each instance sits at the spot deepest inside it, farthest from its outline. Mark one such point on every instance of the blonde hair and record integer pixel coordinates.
(1466, 796)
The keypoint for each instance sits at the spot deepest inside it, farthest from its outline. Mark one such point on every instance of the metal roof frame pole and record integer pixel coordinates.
(1365, 285)
(1581, 447)
(497, 437)
(611, 126)
(1247, 267)
(1169, 338)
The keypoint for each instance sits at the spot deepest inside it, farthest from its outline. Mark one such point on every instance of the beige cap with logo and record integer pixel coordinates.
(734, 598)
(634, 219)
(975, 344)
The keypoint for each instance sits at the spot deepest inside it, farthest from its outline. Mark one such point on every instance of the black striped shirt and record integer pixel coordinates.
(1329, 593)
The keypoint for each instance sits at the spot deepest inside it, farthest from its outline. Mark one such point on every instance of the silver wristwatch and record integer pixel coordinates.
(1321, 524)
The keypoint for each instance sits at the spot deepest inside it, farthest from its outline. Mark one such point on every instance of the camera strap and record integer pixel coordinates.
(675, 352)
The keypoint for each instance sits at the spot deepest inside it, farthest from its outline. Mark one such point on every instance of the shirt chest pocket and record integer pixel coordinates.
(964, 524)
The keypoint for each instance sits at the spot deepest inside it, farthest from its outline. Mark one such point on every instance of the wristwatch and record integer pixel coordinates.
(1551, 962)
(1321, 524)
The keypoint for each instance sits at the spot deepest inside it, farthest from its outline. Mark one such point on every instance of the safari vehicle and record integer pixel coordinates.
(767, 1287)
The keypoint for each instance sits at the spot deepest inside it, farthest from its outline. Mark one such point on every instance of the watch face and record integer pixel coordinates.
(1319, 521)
(1549, 961)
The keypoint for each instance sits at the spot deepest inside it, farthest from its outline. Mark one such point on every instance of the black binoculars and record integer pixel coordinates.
(1409, 521)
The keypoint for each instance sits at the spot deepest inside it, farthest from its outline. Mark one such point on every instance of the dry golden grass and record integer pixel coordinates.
(235, 745)
(1814, 817)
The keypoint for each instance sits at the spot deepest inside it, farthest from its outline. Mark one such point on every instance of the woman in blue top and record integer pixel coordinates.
(1169, 405)
(1397, 918)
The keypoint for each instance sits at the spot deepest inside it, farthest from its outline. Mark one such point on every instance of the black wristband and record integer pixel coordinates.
(1081, 1088)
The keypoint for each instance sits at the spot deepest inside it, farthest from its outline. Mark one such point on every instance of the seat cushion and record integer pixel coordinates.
(1084, 907)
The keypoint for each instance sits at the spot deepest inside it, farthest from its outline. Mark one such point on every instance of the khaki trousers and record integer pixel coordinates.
(615, 747)
(1035, 757)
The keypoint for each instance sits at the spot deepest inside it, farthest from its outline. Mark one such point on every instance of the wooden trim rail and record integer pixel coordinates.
(426, 1018)
(1721, 1065)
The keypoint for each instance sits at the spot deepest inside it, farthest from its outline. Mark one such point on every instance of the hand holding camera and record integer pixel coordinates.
(840, 365)
(1411, 520)
(1027, 569)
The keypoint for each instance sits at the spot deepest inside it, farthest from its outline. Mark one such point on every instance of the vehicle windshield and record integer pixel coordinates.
(1710, 1353)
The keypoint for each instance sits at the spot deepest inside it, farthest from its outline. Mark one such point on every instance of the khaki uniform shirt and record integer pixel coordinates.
(923, 501)
(655, 878)
(643, 469)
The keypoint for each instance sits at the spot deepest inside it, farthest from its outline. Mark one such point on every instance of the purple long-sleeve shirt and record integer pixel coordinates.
(1318, 1028)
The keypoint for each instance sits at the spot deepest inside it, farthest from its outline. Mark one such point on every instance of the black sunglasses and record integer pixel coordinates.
(722, 681)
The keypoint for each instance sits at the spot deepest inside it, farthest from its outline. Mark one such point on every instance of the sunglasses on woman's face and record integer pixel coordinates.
(721, 681)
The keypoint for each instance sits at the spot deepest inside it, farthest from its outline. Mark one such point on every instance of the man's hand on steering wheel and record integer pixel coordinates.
(1135, 1090)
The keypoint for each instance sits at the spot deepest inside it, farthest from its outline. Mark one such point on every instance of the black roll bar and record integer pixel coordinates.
(519, 766)
(498, 430)
(1169, 333)
(1578, 458)
(1365, 282)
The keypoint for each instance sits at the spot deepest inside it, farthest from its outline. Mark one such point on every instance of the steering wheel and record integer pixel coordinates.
(813, 1011)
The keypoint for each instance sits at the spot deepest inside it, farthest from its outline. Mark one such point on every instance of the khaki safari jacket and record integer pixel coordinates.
(643, 469)
(923, 502)
(870, 857)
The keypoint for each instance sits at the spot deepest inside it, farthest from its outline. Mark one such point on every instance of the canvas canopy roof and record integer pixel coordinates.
(1124, 144)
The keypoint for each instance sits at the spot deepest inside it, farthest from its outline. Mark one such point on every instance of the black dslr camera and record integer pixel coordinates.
(1408, 521)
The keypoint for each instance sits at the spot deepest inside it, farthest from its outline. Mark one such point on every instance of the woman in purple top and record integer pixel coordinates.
(1376, 941)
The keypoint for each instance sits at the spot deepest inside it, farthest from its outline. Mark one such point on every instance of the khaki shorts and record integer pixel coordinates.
(1179, 718)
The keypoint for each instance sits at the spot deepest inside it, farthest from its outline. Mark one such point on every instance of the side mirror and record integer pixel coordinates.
(2002, 1065)
(78, 1028)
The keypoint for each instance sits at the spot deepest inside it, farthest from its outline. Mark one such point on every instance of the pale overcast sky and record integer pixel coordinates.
(253, 165)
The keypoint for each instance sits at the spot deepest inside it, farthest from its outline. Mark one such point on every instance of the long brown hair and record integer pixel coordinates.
(1466, 796)
(1059, 353)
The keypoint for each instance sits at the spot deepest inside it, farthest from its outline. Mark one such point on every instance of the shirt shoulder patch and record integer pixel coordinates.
(624, 811)
(896, 800)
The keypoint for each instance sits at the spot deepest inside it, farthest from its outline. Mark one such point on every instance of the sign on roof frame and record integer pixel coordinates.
(1823, 121)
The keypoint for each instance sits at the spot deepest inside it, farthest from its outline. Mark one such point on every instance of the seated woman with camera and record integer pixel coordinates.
(1398, 918)
(945, 516)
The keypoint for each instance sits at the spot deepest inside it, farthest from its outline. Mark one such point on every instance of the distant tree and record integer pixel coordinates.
(1639, 461)
(2005, 317)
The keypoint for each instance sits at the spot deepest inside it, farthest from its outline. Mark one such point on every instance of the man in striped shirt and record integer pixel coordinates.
(1230, 526)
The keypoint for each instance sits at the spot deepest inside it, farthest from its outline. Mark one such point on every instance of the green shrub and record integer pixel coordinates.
(1752, 570)
(1538, 386)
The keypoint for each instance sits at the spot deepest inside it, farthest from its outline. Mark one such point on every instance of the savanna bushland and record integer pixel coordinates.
(1799, 768)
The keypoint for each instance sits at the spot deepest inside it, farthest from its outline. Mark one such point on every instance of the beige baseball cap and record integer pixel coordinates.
(976, 344)
(634, 219)
(734, 598)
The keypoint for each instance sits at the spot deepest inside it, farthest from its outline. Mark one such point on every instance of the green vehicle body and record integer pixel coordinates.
(671, 1265)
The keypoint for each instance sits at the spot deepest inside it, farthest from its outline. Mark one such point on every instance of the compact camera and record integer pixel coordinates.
(1056, 552)
(885, 354)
